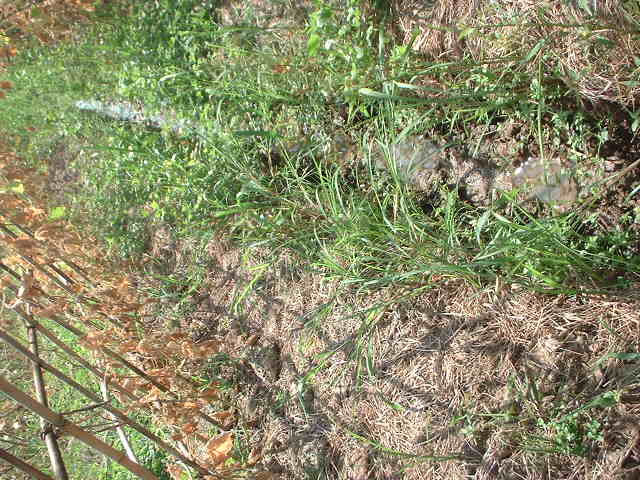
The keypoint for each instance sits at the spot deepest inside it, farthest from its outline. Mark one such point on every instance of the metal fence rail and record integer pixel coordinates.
(32, 302)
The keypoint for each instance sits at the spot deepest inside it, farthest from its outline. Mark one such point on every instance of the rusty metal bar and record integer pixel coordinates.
(23, 466)
(72, 429)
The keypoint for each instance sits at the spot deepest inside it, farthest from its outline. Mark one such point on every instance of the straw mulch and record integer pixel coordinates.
(594, 50)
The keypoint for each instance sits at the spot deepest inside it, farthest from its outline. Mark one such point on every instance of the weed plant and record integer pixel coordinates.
(366, 231)
(256, 91)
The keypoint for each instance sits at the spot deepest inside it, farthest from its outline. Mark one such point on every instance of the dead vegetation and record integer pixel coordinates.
(57, 283)
(593, 48)
(45, 22)
(450, 383)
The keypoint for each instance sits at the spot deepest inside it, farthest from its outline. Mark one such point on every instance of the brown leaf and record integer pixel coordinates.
(222, 416)
(281, 68)
(128, 307)
(130, 384)
(255, 456)
(189, 428)
(128, 346)
(200, 350)
(227, 419)
(154, 394)
(34, 212)
(176, 335)
(48, 232)
(190, 405)
(50, 310)
(26, 291)
(43, 37)
(209, 394)
(219, 449)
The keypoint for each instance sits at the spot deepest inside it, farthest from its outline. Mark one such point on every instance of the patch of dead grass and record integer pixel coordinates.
(592, 53)
(339, 401)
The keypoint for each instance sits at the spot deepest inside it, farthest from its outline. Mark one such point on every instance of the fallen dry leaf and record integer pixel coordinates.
(209, 394)
(189, 428)
(219, 449)
(222, 416)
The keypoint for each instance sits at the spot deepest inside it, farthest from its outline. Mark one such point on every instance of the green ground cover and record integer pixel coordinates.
(257, 90)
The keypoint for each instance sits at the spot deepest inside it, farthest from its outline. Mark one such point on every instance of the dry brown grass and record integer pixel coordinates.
(594, 54)
(447, 352)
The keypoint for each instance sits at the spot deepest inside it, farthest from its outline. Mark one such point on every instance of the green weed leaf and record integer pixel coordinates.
(13, 187)
(466, 32)
(313, 44)
(534, 51)
(57, 213)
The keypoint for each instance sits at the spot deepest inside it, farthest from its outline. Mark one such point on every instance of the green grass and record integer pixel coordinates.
(358, 227)
(258, 91)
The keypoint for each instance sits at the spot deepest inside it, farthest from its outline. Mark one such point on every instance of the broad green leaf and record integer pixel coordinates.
(57, 213)
(313, 45)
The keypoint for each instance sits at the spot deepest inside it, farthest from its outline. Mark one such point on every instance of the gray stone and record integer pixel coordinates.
(415, 159)
(547, 181)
